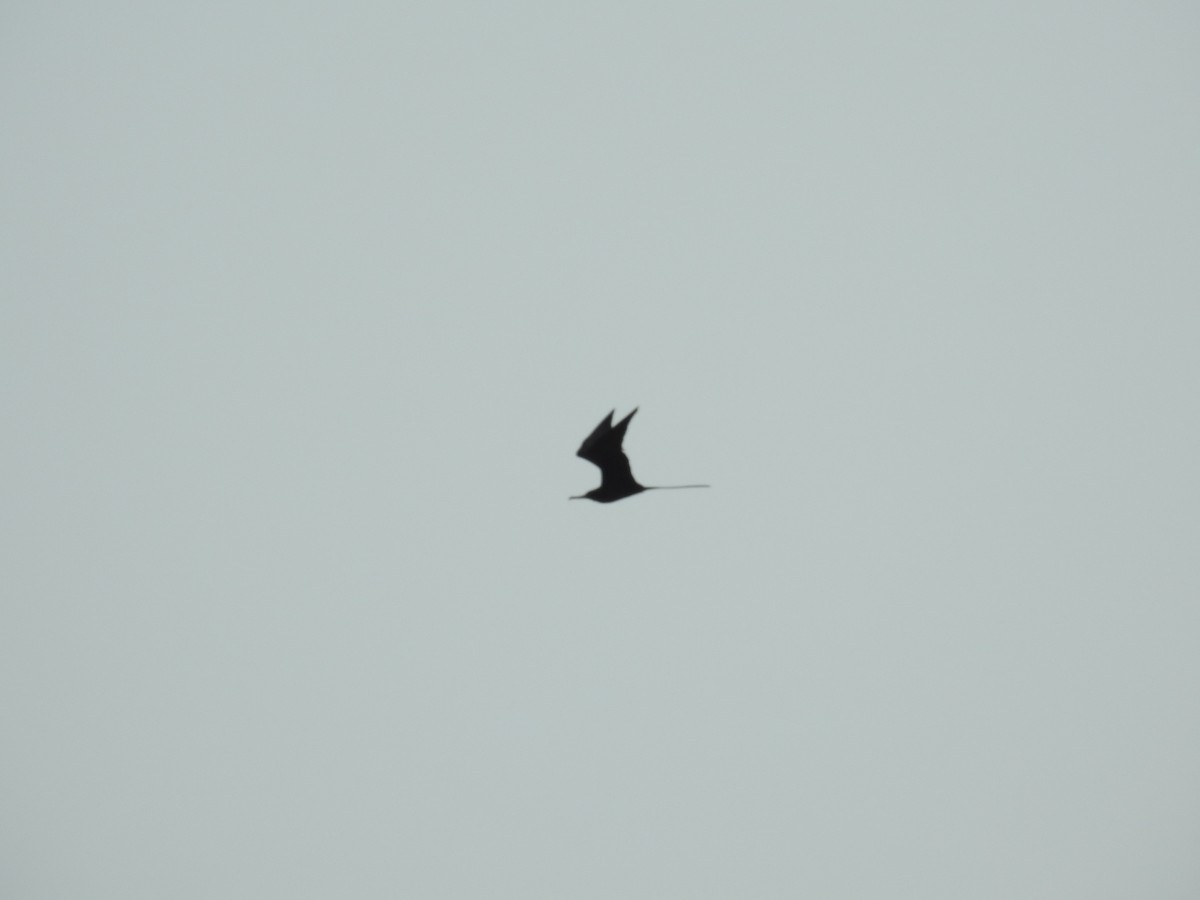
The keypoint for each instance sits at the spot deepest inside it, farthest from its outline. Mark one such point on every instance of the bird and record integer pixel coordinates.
(603, 448)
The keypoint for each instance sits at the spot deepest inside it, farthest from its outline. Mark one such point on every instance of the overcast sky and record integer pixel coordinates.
(305, 308)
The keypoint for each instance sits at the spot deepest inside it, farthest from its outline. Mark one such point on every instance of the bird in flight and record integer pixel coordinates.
(603, 448)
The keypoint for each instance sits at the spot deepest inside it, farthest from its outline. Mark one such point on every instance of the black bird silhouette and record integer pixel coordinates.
(603, 448)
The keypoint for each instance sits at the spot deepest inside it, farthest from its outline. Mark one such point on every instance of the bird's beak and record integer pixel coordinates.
(577, 498)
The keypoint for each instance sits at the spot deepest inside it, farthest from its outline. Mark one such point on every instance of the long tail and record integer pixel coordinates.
(676, 487)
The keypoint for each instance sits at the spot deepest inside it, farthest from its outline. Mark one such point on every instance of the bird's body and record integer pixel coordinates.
(603, 449)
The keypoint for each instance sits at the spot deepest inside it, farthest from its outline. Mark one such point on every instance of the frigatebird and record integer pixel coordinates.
(603, 448)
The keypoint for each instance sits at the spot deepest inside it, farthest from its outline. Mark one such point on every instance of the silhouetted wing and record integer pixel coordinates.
(603, 448)
(596, 438)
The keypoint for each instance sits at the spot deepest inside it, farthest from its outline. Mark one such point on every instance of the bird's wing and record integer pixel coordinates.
(603, 448)
(595, 440)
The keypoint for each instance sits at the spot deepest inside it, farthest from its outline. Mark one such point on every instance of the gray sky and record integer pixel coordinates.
(304, 309)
